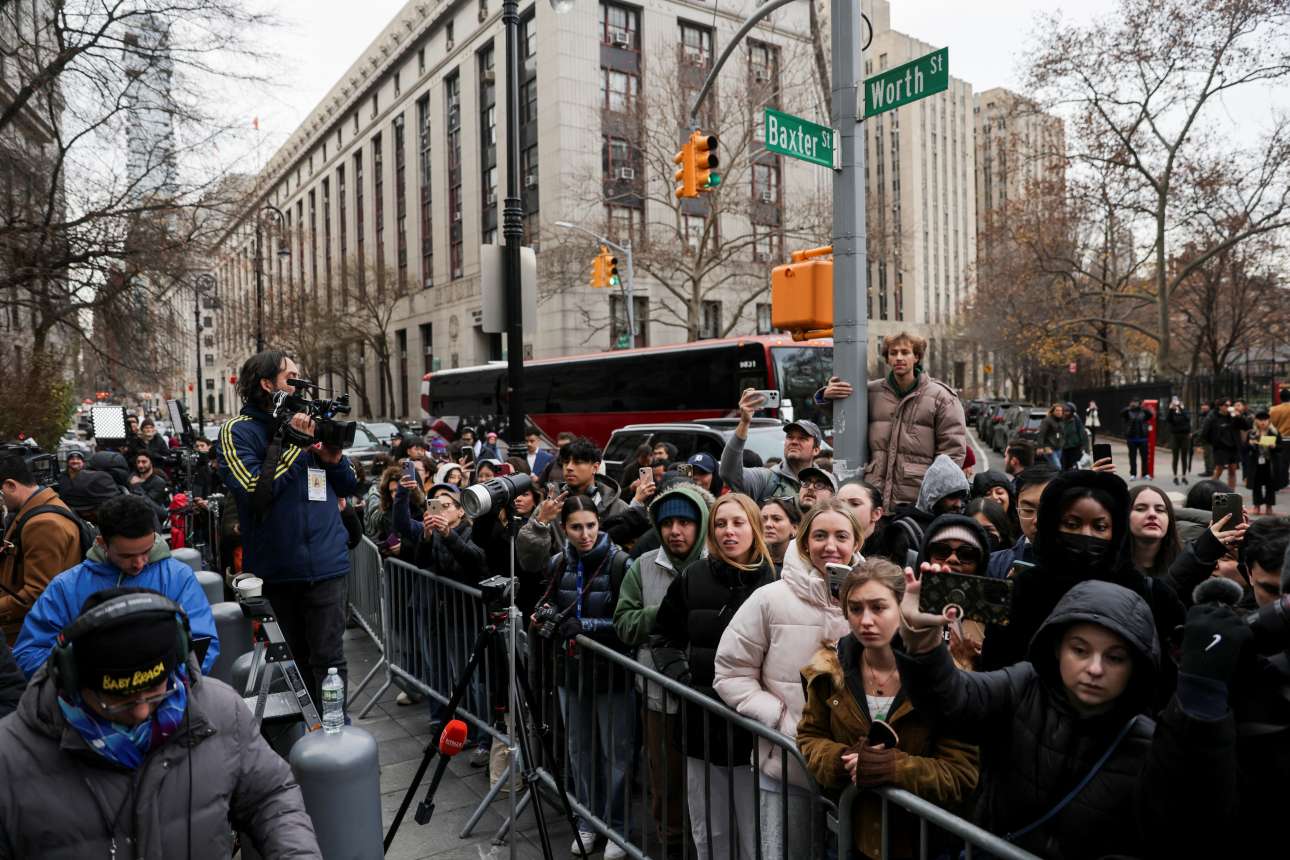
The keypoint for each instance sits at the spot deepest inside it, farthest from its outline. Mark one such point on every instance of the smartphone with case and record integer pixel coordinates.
(1101, 451)
(1228, 503)
(409, 470)
(837, 575)
(436, 507)
(685, 469)
(552, 490)
(770, 398)
(979, 598)
(646, 474)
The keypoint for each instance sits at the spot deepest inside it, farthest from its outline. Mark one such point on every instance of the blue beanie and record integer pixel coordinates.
(677, 506)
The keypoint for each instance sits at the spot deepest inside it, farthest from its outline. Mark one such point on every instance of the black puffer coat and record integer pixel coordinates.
(585, 587)
(1035, 747)
(1038, 591)
(687, 629)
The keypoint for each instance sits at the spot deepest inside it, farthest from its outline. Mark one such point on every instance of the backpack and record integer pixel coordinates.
(88, 533)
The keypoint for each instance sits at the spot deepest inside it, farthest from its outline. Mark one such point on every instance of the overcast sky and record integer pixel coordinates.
(320, 38)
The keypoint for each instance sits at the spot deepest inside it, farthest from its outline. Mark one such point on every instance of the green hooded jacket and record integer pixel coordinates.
(634, 615)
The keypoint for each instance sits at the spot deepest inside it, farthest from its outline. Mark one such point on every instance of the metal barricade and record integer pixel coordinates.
(431, 626)
(695, 792)
(929, 815)
(367, 607)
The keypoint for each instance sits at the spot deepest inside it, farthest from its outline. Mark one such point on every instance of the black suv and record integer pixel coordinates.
(765, 436)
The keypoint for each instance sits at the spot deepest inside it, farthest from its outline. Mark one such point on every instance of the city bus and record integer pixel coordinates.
(593, 394)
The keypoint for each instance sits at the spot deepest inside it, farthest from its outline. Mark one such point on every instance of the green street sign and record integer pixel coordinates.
(907, 83)
(802, 139)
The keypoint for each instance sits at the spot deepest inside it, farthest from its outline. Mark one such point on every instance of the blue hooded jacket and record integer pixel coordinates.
(299, 540)
(60, 603)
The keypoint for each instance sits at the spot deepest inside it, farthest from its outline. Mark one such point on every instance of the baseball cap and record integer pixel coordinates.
(817, 472)
(808, 427)
(452, 488)
(703, 463)
(77, 455)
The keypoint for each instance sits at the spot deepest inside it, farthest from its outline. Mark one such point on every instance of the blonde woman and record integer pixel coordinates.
(759, 661)
(696, 609)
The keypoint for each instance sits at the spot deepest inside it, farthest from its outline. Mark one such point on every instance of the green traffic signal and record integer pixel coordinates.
(714, 179)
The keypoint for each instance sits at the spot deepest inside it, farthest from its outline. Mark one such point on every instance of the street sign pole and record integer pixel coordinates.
(850, 266)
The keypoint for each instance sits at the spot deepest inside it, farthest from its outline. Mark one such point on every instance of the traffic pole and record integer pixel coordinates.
(850, 266)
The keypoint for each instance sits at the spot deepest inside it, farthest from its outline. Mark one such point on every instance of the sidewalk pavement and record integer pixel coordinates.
(1163, 472)
(401, 734)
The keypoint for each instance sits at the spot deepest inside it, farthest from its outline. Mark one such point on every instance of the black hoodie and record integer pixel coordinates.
(1036, 592)
(1036, 747)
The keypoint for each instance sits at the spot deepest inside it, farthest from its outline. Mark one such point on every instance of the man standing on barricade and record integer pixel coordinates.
(292, 535)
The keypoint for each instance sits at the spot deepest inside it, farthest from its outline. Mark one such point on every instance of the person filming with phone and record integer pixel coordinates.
(292, 534)
(802, 441)
(878, 738)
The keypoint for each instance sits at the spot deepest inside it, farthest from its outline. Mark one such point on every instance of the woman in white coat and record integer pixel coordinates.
(761, 655)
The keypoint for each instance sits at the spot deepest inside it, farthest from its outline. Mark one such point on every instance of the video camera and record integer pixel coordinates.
(44, 467)
(327, 429)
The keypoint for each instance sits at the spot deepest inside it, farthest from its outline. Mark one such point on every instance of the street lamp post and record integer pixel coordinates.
(284, 251)
(629, 283)
(203, 284)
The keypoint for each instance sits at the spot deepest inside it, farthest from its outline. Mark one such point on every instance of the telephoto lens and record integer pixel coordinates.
(491, 495)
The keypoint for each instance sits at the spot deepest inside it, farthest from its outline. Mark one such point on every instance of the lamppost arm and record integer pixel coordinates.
(725, 55)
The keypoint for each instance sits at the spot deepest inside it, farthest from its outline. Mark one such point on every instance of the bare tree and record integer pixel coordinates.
(1145, 85)
(719, 247)
(106, 125)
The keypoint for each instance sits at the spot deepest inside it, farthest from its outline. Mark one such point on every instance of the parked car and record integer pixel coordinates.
(366, 446)
(765, 437)
(972, 409)
(1022, 420)
(990, 416)
(383, 430)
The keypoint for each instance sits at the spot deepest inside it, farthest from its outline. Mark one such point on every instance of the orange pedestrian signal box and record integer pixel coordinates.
(801, 294)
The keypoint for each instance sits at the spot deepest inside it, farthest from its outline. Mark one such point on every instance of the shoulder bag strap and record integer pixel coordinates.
(1083, 783)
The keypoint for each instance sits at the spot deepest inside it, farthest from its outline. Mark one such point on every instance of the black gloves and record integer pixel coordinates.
(570, 627)
(1212, 641)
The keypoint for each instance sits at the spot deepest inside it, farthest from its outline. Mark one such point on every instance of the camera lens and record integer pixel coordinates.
(482, 498)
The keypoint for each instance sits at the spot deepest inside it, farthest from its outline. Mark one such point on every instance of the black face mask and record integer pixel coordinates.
(1080, 550)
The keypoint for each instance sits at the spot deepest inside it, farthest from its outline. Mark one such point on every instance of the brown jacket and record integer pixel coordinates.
(906, 433)
(929, 764)
(50, 545)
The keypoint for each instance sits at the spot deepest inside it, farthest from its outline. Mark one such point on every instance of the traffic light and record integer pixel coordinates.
(697, 160)
(801, 294)
(706, 177)
(611, 269)
(604, 270)
(685, 176)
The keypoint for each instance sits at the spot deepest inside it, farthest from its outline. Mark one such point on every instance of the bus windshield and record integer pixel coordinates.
(800, 371)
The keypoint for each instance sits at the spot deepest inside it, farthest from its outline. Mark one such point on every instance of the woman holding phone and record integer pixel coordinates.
(687, 629)
(761, 655)
(837, 733)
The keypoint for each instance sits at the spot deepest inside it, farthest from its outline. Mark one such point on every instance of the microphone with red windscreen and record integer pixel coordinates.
(452, 739)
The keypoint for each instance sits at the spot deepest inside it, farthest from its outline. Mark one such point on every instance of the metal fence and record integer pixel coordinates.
(659, 767)
(367, 608)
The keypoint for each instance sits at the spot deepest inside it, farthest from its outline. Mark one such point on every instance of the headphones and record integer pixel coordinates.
(108, 614)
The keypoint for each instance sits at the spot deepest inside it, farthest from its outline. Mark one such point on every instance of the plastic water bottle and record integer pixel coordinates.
(333, 702)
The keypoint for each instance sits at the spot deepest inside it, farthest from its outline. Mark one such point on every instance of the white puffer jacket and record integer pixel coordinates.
(772, 636)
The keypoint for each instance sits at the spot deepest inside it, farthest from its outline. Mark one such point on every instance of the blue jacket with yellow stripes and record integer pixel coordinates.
(298, 540)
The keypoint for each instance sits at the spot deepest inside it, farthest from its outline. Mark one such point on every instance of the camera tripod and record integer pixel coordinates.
(521, 710)
(491, 636)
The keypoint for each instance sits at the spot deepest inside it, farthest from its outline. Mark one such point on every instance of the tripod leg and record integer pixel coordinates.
(531, 778)
(426, 806)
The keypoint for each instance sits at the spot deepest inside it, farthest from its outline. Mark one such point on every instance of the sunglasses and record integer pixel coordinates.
(131, 704)
(938, 551)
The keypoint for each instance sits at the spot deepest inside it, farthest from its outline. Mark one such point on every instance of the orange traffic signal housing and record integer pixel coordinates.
(801, 293)
(686, 175)
(598, 279)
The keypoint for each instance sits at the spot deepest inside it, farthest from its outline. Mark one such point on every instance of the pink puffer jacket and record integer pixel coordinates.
(772, 636)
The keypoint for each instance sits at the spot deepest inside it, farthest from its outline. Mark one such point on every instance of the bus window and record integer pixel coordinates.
(800, 371)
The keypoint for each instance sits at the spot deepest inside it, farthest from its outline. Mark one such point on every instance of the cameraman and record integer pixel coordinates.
(293, 539)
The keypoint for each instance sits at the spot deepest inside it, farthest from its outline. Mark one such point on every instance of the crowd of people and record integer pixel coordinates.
(1115, 702)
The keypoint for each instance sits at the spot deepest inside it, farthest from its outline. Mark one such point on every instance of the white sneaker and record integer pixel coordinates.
(614, 851)
(588, 843)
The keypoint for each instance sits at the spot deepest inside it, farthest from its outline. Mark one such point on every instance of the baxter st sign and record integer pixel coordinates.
(907, 83)
(801, 139)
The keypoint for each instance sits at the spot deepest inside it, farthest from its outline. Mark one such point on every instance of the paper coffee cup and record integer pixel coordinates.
(248, 585)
